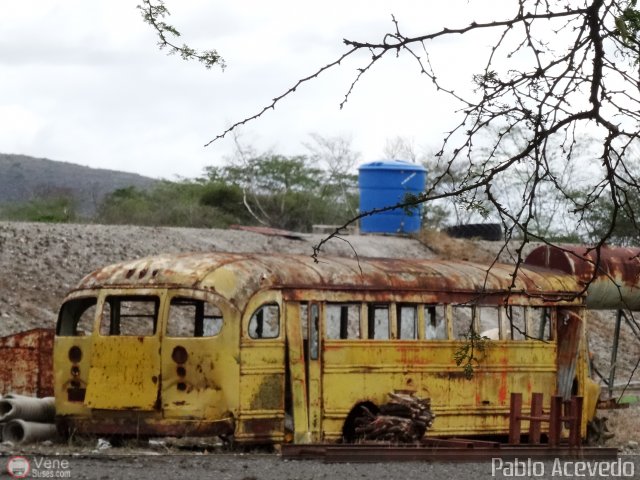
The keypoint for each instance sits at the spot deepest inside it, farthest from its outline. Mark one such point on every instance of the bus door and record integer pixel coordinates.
(314, 372)
(124, 371)
(199, 370)
(304, 352)
(262, 370)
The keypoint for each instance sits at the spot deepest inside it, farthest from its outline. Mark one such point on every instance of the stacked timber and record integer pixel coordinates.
(404, 419)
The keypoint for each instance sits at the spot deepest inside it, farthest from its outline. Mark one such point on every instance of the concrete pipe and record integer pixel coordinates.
(28, 408)
(16, 395)
(18, 431)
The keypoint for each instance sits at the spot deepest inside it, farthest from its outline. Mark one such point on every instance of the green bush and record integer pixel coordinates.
(58, 209)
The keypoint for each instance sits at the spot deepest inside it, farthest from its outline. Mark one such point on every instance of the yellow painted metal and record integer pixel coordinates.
(297, 371)
(225, 279)
(124, 371)
(62, 377)
(315, 378)
(393, 330)
(205, 385)
(233, 375)
(587, 388)
(356, 371)
(449, 315)
(421, 324)
(262, 378)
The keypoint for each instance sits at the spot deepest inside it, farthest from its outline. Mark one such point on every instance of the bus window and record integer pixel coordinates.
(489, 322)
(407, 322)
(304, 320)
(189, 317)
(378, 321)
(135, 316)
(462, 318)
(516, 329)
(342, 321)
(265, 322)
(314, 332)
(540, 323)
(76, 317)
(435, 322)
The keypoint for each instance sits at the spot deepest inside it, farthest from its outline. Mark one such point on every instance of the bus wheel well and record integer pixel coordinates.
(360, 409)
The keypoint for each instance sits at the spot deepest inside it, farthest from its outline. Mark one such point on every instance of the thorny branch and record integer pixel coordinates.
(153, 14)
(556, 71)
(553, 70)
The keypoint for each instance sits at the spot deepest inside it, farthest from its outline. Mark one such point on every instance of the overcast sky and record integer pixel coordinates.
(84, 82)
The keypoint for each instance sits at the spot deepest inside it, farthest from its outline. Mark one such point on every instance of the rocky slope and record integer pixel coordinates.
(23, 178)
(39, 263)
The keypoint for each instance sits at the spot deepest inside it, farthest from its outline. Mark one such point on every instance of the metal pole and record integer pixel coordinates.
(614, 352)
(515, 411)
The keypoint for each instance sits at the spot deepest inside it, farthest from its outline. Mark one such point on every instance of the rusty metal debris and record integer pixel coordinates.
(561, 413)
(27, 360)
(273, 232)
(472, 452)
(611, 278)
(611, 273)
(404, 418)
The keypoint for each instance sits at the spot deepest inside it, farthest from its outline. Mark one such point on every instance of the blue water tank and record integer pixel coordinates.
(383, 184)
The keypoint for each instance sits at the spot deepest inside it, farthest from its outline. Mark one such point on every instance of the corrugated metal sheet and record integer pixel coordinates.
(26, 363)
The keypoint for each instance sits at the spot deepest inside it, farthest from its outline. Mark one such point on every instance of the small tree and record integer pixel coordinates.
(284, 191)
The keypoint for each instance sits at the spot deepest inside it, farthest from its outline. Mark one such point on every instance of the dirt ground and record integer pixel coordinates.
(155, 462)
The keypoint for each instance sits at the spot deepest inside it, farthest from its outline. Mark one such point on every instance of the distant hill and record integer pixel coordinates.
(23, 178)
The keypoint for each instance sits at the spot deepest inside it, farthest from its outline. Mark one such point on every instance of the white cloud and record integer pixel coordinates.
(88, 85)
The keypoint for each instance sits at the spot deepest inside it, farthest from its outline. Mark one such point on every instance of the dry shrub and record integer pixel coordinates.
(624, 423)
(448, 248)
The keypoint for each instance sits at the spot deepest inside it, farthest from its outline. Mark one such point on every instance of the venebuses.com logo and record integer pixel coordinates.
(38, 467)
(18, 467)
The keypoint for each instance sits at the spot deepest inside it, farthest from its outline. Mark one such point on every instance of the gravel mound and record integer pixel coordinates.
(40, 262)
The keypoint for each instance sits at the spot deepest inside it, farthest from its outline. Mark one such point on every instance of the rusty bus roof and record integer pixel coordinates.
(238, 276)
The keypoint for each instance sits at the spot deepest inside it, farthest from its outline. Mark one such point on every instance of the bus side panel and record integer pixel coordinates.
(70, 386)
(204, 384)
(262, 375)
(357, 371)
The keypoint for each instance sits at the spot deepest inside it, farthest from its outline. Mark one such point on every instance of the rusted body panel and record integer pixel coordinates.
(163, 384)
(26, 363)
(612, 273)
(238, 276)
(141, 425)
(366, 371)
(142, 384)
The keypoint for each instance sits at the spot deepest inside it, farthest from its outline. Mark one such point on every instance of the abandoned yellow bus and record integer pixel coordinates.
(278, 348)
